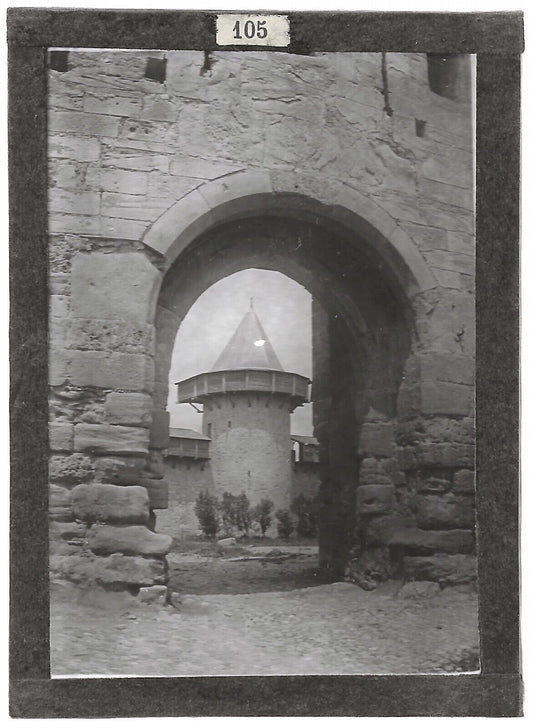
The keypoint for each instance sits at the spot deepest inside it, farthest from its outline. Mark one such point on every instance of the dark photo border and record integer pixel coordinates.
(497, 39)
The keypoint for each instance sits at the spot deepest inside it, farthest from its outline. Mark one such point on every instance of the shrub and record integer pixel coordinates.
(206, 508)
(306, 511)
(285, 525)
(236, 513)
(262, 514)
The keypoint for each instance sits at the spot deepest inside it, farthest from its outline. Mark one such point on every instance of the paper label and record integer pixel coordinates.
(254, 30)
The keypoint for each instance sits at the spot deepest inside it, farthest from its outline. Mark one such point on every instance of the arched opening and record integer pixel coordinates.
(363, 329)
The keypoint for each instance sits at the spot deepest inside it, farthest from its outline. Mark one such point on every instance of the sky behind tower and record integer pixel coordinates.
(283, 308)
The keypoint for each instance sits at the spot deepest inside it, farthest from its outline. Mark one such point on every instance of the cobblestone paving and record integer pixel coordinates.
(328, 629)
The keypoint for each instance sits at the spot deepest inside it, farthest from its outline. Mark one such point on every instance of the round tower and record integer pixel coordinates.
(247, 399)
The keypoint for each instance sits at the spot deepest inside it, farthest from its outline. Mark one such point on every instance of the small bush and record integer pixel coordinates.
(262, 514)
(285, 525)
(236, 513)
(306, 511)
(206, 508)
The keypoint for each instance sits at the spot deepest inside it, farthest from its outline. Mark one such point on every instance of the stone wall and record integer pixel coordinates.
(187, 477)
(139, 169)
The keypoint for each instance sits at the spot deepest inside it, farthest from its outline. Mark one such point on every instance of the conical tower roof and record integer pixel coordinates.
(248, 348)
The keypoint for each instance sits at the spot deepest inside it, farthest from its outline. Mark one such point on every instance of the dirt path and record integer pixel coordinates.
(256, 570)
(327, 629)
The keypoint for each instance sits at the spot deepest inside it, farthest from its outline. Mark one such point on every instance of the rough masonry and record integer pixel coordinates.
(308, 165)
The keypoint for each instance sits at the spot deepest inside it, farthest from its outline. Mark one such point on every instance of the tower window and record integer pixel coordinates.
(443, 74)
(209, 429)
(229, 424)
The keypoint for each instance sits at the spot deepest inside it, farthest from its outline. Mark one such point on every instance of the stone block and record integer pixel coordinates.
(436, 454)
(113, 286)
(129, 540)
(377, 439)
(58, 306)
(128, 408)
(112, 105)
(372, 472)
(120, 228)
(77, 149)
(153, 595)
(452, 261)
(416, 541)
(242, 184)
(374, 499)
(60, 504)
(61, 436)
(183, 217)
(71, 469)
(82, 203)
(117, 180)
(102, 502)
(381, 529)
(117, 439)
(157, 492)
(72, 531)
(463, 481)
(446, 569)
(112, 370)
(155, 464)
(445, 511)
(127, 158)
(159, 110)
(73, 122)
(159, 431)
(59, 361)
(446, 367)
(113, 469)
(115, 571)
(127, 207)
(114, 335)
(59, 222)
(432, 481)
(59, 496)
(446, 398)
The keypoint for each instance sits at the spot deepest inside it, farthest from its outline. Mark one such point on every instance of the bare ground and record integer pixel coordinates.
(247, 612)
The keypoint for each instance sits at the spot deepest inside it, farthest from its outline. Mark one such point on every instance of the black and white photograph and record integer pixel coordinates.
(262, 363)
(262, 447)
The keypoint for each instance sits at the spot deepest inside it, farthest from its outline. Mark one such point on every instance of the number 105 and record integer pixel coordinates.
(251, 29)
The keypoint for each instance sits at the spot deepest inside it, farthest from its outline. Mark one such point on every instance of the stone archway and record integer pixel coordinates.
(364, 284)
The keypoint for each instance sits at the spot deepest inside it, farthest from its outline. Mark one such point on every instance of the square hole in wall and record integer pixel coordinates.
(156, 69)
(58, 61)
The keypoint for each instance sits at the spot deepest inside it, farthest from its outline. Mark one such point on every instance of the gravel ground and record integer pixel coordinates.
(326, 629)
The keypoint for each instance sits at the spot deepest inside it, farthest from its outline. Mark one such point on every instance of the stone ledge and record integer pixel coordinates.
(128, 540)
(128, 408)
(116, 439)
